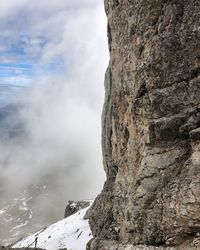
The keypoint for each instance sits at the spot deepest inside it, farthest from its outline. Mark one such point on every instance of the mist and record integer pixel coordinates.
(59, 99)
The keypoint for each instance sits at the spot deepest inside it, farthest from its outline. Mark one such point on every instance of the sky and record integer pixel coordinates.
(53, 56)
(47, 38)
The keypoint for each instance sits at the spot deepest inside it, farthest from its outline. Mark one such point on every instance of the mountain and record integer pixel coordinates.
(71, 233)
(151, 127)
(19, 214)
(150, 137)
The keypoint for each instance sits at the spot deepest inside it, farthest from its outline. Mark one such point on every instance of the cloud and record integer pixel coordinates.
(66, 44)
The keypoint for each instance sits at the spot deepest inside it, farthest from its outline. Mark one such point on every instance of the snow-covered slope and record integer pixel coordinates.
(72, 233)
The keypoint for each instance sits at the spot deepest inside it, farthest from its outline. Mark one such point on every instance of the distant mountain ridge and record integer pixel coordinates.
(18, 216)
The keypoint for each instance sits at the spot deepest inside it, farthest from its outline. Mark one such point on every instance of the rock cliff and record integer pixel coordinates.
(151, 126)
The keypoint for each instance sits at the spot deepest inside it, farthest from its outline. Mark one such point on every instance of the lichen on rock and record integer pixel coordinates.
(151, 125)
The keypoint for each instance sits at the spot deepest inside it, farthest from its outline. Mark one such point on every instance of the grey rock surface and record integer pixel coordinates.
(113, 245)
(151, 127)
(75, 206)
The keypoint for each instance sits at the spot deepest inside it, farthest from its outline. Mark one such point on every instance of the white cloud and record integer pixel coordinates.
(62, 112)
(8, 7)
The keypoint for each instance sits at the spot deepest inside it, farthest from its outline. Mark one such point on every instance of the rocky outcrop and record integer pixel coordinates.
(151, 126)
(75, 206)
(113, 245)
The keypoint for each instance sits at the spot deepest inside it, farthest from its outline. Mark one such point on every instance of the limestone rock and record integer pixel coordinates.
(151, 125)
(75, 206)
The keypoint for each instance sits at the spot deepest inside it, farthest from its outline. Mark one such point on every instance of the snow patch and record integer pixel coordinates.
(72, 233)
(2, 211)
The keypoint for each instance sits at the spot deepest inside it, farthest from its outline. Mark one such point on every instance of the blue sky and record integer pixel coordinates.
(18, 63)
(30, 33)
(16, 71)
(49, 39)
(19, 68)
(59, 42)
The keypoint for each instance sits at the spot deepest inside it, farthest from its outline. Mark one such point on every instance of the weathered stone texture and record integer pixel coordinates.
(74, 206)
(151, 124)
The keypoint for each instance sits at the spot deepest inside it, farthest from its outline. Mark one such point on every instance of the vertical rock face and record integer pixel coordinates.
(151, 124)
